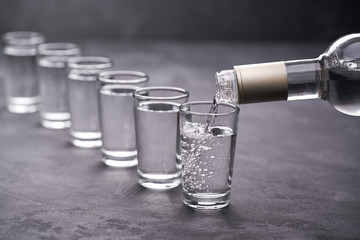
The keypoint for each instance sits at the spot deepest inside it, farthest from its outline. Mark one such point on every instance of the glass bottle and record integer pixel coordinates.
(334, 77)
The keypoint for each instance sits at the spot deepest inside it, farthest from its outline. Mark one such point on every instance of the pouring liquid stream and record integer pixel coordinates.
(210, 121)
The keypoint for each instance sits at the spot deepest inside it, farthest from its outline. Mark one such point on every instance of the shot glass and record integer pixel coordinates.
(156, 116)
(117, 116)
(52, 57)
(21, 82)
(207, 145)
(83, 99)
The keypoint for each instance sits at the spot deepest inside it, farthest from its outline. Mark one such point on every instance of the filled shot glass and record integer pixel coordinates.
(156, 117)
(117, 116)
(83, 99)
(21, 80)
(207, 145)
(52, 57)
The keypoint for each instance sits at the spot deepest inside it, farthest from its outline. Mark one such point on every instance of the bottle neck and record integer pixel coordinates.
(276, 81)
(304, 79)
(226, 86)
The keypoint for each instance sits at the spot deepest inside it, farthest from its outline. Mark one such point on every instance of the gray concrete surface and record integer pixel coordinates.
(296, 173)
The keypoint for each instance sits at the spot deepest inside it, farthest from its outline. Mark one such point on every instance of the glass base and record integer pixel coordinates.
(23, 104)
(86, 139)
(206, 201)
(86, 143)
(119, 158)
(55, 124)
(159, 181)
(54, 120)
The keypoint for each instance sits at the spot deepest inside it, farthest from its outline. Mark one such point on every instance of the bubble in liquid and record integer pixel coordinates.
(198, 143)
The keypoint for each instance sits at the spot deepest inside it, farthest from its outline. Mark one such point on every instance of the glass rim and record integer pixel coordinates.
(93, 62)
(104, 76)
(58, 49)
(83, 74)
(23, 38)
(184, 93)
(118, 87)
(235, 109)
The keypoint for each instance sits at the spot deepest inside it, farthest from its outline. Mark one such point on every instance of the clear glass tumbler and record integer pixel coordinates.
(21, 82)
(157, 138)
(52, 59)
(117, 116)
(207, 146)
(83, 99)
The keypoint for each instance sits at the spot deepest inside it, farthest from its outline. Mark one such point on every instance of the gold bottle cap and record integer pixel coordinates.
(262, 82)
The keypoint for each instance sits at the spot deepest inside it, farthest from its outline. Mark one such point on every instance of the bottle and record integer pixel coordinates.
(334, 77)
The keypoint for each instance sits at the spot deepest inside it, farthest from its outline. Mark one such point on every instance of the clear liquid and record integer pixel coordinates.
(157, 138)
(21, 76)
(344, 90)
(21, 81)
(117, 119)
(53, 89)
(207, 158)
(84, 107)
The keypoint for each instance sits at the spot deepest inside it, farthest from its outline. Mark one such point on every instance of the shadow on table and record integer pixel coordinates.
(100, 166)
(38, 125)
(230, 216)
(3, 108)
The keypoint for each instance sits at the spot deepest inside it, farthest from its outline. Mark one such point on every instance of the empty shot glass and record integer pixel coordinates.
(117, 116)
(156, 116)
(21, 82)
(83, 99)
(52, 57)
(207, 153)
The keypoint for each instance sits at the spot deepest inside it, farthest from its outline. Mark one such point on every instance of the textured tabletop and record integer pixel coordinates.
(296, 171)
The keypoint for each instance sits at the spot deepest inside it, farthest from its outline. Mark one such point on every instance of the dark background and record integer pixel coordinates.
(281, 20)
